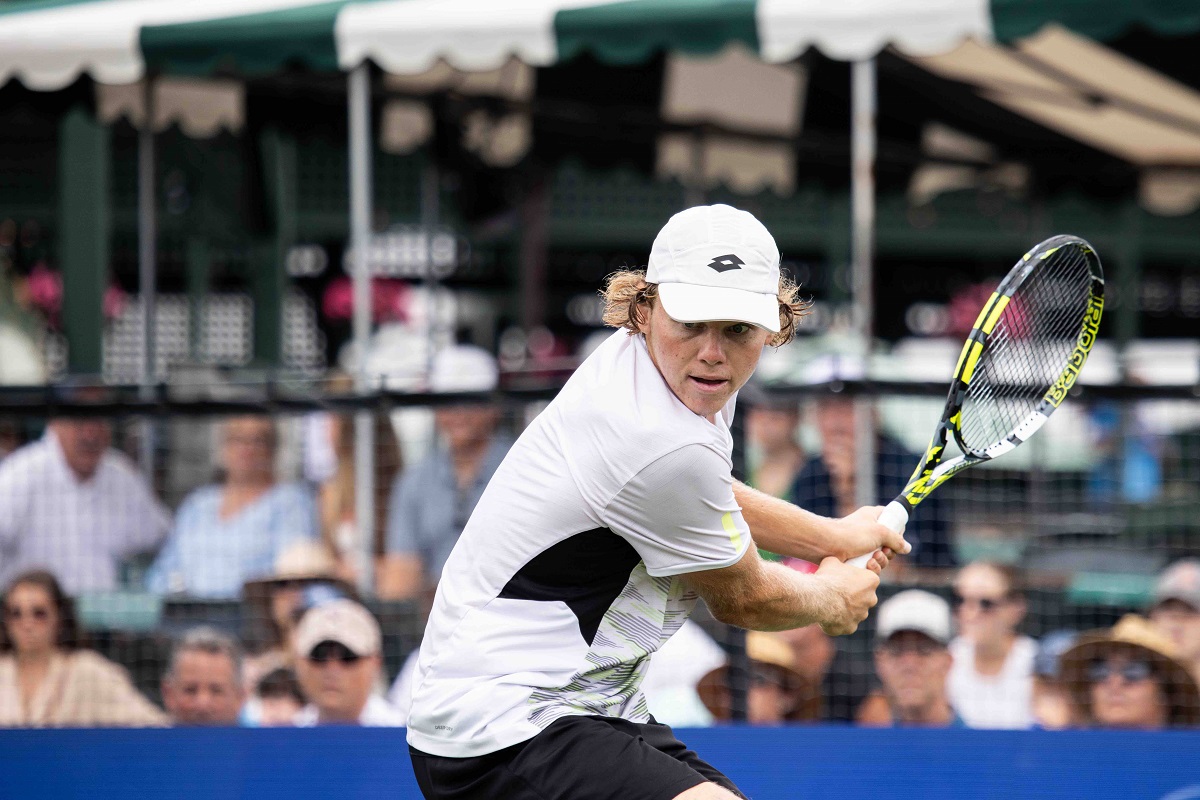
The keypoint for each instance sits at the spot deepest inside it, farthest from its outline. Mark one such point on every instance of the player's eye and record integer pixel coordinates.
(739, 329)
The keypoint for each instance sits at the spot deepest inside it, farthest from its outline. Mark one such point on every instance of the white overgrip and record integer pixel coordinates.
(894, 517)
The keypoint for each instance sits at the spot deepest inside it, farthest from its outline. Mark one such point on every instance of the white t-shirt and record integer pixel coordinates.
(565, 579)
(1003, 700)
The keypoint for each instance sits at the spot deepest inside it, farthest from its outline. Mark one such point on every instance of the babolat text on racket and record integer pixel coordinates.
(1023, 355)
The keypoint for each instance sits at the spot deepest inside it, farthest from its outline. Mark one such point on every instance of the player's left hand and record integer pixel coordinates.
(860, 532)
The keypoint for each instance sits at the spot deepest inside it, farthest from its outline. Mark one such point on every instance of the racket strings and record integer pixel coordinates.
(1028, 349)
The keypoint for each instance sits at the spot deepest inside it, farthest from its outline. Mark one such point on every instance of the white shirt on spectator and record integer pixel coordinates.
(79, 530)
(377, 713)
(1003, 700)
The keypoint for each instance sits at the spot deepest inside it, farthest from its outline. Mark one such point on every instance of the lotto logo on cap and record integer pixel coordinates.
(716, 263)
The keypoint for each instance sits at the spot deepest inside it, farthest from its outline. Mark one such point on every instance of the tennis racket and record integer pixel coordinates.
(1021, 358)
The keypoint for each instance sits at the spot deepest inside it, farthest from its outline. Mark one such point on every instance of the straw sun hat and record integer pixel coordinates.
(771, 653)
(1140, 638)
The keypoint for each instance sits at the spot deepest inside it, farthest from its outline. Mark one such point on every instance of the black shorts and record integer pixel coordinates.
(575, 758)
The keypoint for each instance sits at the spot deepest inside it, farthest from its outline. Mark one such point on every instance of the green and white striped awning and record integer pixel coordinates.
(47, 44)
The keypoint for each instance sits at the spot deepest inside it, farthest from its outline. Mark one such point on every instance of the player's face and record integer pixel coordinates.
(1125, 693)
(203, 690)
(1182, 623)
(704, 363)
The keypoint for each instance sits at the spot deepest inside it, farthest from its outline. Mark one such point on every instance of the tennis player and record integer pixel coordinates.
(611, 515)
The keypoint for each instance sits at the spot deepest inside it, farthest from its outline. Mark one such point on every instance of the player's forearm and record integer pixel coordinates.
(780, 599)
(786, 529)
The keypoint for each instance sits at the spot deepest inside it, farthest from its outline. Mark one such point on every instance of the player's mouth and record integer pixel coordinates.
(708, 384)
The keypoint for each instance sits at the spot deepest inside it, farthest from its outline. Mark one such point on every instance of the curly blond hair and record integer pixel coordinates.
(628, 299)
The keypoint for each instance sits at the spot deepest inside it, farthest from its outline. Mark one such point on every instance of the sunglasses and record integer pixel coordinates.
(986, 604)
(39, 613)
(921, 648)
(1130, 672)
(333, 651)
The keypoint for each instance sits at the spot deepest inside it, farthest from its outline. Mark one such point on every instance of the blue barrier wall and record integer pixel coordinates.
(768, 763)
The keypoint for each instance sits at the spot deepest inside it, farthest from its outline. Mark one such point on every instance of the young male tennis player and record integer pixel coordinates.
(610, 516)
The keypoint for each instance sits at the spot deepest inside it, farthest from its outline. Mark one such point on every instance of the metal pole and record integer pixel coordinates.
(147, 285)
(360, 236)
(862, 248)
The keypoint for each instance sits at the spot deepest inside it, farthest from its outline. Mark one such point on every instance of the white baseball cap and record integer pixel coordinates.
(716, 263)
(914, 610)
(464, 368)
(342, 621)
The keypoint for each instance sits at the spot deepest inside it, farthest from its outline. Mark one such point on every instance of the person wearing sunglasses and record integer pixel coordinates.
(338, 645)
(991, 682)
(1129, 676)
(48, 679)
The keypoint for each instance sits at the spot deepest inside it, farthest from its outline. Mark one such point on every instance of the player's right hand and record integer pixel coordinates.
(850, 595)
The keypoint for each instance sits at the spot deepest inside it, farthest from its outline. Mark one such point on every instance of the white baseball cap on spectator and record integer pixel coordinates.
(914, 610)
(464, 368)
(342, 621)
(716, 263)
(1180, 581)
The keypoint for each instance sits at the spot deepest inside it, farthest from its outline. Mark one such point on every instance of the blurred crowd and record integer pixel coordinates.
(75, 511)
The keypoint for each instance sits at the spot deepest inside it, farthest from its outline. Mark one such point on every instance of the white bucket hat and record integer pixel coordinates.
(716, 263)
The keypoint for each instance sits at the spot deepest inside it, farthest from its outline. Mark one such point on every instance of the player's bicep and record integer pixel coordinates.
(680, 514)
(726, 590)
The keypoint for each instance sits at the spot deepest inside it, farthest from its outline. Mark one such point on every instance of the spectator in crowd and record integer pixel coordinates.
(432, 500)
(1128, 677)
(11, 437)
(336, 499)
(305, 576)
(1176, 609)
(279, 699)
(826, 484)
(777, 692)
(71, 504)
(991, 681)
(1053, 709)
(203, 682)
(775, 458)
(338, 650)
(912, 660)
(47, 678)
(227, 533)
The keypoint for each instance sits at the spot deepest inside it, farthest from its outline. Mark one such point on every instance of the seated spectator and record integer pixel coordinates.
(912, 661)
(774, 457)
(228, 533)
(336, 500)
(1128, 677)
(827, 483)
(1176, 609)
(304, 577)
(1053, 709)
(47, 678)
(991, 681)
(777, 692)
(203, 681)
(432, 500)
(338, 663)
(279, 699)
(72, 505)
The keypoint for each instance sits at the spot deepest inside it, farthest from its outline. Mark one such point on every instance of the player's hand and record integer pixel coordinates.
(860, 532)
(850, 594)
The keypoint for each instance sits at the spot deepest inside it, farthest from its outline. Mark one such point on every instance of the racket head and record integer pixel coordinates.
(1027, 347)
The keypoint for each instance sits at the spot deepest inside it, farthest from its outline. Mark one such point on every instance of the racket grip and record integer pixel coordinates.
(894, 517)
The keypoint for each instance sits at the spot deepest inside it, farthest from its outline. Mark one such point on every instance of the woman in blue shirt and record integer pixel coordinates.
(231, 532)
